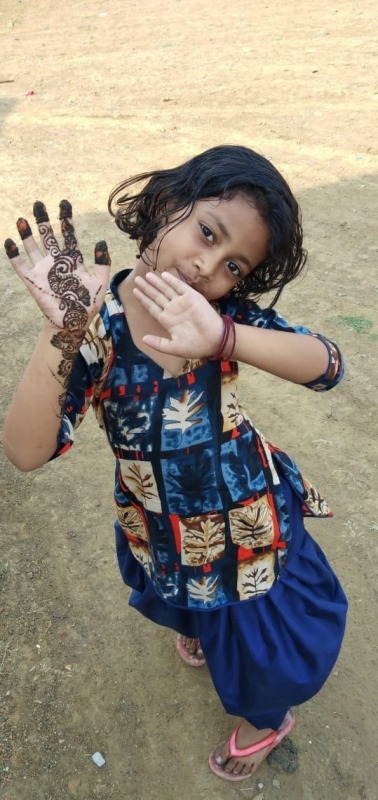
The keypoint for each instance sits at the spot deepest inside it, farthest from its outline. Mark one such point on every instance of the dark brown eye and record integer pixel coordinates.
(234, 269)
(207, 232)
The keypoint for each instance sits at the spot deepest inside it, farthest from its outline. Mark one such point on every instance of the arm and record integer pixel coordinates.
(69, 297)
(34, 416)
(293, 356)
(263, 339)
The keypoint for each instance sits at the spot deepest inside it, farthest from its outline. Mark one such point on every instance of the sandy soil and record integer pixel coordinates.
(90, 93)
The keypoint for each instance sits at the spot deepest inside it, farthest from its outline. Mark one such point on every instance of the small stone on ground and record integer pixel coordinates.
(284, 757)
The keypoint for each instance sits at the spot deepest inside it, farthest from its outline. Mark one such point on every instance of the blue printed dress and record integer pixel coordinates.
(209, 529)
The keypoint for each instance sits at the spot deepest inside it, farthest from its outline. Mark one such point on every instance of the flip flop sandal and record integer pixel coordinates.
(196, 659)
(271, 741)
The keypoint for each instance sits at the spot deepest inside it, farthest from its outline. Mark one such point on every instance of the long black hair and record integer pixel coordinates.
(139, 206)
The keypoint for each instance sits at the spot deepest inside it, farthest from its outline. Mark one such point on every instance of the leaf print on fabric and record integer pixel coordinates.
(126, 426)
(231, 411)
(234, 412)
(141, 554)
(131, 522)
(314, 501)
(256, 575)
(140, 480)
(181, 414)
(204, 590)
(202, 539)
(97, 350)
(252, 525)
(242, 468)
(190, 483)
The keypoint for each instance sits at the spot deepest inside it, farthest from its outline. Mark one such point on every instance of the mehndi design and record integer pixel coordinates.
(64, 282)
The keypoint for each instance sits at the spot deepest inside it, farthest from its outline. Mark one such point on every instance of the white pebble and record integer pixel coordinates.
(98, 759)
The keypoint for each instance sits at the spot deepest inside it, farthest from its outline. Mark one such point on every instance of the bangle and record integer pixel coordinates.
(228, 331)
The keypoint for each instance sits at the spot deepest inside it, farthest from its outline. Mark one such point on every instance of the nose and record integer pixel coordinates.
(206, 264)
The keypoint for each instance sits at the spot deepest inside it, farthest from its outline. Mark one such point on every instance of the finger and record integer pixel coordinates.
(65, 209)
(167, 284)
(68, 230)
(102, 262)
(102, 254)
(40, 212)
(46, 232)
(151, 300)
(161, 344)
(11, 249)
(19, 265)
(178, 285)
(23, 228)
(154, 288)
(153, 308)
(32, 251)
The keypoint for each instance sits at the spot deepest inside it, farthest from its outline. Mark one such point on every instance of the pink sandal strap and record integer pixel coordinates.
(272, 740)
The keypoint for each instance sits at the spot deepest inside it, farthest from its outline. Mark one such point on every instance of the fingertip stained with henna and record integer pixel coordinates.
(23, 228)
(65, 209)
(102, 254)
(40, 212)
(11, 248)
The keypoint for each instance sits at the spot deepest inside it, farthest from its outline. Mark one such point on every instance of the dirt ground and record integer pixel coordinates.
(90, 93)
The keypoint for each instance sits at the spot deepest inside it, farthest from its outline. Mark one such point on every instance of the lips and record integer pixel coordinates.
(185, 278)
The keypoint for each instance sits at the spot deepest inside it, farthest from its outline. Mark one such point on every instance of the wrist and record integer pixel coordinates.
(227, 342)
(50, 330)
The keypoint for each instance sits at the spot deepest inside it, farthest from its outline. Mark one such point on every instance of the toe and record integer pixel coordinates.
(237, 767)
(232, 766)
(220, 754)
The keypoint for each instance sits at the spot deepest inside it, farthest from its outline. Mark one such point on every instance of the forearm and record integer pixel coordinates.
(299, 358)
(34, 417)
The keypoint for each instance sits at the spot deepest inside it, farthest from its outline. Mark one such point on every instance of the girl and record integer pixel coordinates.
(210, 532)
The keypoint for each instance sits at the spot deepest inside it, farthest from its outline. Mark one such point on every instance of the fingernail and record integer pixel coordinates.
(40, 213)
(65, 209)
(102, 254)
(11, 248)
(23, 228)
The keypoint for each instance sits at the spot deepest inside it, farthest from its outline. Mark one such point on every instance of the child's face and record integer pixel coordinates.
(215, 247)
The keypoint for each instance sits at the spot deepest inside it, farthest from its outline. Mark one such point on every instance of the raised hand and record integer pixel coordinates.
(66, 293)
(194, 327)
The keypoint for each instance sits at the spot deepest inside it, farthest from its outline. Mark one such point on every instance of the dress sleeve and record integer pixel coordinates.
(249, 313)
(87, 379)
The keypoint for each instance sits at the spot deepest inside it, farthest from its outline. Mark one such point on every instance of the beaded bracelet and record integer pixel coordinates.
(228, 330)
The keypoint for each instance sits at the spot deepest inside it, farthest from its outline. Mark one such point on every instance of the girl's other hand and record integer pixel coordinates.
(194, 327)
(67, 294)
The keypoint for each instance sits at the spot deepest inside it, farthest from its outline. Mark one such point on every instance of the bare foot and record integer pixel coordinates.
(190, 651)
(247, 735)
(230, 762)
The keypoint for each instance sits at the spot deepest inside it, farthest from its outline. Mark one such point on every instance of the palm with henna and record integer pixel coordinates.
(69, 297)
(67, 294)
